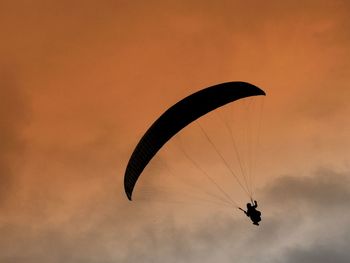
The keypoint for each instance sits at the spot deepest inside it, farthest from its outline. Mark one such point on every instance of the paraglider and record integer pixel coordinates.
(252, 213)
(179, 116)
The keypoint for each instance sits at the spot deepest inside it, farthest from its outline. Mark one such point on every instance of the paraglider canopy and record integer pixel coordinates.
(176, 118)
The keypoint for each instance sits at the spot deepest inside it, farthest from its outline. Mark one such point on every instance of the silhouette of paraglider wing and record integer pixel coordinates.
(176, 118)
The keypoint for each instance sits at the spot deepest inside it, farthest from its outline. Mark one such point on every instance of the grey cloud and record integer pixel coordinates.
(319, 253)
(325, 188)
(304, 220)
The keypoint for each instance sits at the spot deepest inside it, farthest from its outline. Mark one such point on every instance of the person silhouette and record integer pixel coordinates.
(252, 213)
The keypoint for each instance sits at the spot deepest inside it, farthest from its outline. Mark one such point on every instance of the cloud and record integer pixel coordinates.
(324, 188)
(311, 213)
(320, 252)
(304, 220)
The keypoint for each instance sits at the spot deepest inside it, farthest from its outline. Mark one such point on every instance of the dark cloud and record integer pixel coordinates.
(313, 211)
(325, 188)
(320, 252)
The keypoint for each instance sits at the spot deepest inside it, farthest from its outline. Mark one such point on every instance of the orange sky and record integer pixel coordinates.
(81, 81)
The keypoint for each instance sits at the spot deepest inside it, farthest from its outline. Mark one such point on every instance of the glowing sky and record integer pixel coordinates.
(81, 81)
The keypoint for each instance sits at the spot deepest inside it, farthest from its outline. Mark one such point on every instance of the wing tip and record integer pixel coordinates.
(129, 196)
(260, 91)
